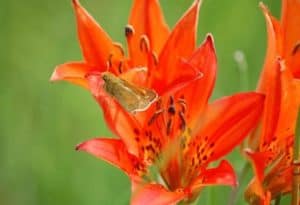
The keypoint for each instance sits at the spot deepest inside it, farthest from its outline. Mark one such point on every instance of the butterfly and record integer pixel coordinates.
(131, 97)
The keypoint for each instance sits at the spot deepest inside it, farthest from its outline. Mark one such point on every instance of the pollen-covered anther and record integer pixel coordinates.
(144, 44)
(129, 31)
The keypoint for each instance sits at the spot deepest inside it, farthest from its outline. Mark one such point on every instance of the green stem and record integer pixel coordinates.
(235, 192)
(296, 164)
(277, 200)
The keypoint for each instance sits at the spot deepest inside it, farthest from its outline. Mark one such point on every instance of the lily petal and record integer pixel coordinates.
(156, 194)
(290, 20)
(259, 161)
(289, 106)
(146, 18)
(221, 175)
(180, 44)
(272, 91)
(73, 72)
(198, 92)
(119, 121)
(281, 183)
(113, 151)
(225, 124)
(270, 82)
(273, 47)
(96, 45)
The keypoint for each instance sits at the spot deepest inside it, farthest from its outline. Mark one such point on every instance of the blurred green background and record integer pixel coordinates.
(42, 122)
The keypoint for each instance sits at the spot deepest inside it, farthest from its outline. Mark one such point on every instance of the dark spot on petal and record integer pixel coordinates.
(136, 131)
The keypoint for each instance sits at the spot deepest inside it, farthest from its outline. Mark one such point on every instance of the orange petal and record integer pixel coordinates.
(113, 151)
(96, 45)
(146, 18)
(198, 92)
(221, 175)
(255, 191)
(156, 194)
(73, 72)
(288, 107)
(259, 160)
(119, 121)
(180, 44)
(225, 124)
(185, 75)
(280, 182)
(272, 91)
(273, 48)
(290, 21)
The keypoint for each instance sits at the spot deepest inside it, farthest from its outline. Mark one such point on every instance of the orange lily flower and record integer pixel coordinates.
(272, 144)
(180, 134)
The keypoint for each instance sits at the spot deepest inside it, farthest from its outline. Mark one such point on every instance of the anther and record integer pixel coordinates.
(144, 44)
(119, 46)
(296, 48)
(155, 58)
(183, 123)
(171, 110)
(109, 61)
(169, 126)
(120, 67)
(129, 31)
(182, 104)
(171, 100)
(158, 104)
(154, 116)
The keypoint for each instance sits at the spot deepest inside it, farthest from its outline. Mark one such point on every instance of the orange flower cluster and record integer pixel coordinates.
(155, 96)
(272, 145)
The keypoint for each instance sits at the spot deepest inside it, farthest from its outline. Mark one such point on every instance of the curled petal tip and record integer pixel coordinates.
(263, 7)
(197, 1)
(248, 151)
(210, 37)
(79, 147)
(55, 76)
(210, 40)
(75, 2)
